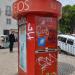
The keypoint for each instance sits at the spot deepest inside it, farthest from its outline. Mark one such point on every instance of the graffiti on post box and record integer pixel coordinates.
(22, 5)
(30, 32)
(52, 36)
(42, 30)
(26, 3)
(45, 62)
(46, 27)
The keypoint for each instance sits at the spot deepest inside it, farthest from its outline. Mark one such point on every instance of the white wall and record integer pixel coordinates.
(3, 17)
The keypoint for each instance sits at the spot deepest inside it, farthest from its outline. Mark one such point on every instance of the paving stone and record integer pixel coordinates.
(9, 63)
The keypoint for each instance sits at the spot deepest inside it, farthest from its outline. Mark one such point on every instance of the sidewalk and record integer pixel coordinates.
(8, 62)
(66, 65)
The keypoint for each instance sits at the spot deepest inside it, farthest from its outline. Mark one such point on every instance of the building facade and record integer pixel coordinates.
(7, 23)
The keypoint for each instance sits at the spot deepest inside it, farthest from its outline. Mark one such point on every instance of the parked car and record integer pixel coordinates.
(4, 41)
(67, 43)
(73, 35)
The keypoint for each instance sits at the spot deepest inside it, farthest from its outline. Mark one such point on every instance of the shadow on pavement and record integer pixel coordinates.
(16, 74)
(65, 69)
(66, 53)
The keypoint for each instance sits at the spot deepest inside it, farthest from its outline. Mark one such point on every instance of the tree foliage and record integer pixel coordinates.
(67, 23)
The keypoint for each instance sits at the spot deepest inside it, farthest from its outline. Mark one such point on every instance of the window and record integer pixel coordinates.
(6, 32)
(59, 38)
(8, 21)
(8, 11)
(62, 39)
(69, 41)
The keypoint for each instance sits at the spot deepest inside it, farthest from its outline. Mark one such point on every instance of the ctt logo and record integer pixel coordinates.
(41, 41)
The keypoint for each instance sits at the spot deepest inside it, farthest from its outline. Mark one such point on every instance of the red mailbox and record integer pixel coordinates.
(37, 27)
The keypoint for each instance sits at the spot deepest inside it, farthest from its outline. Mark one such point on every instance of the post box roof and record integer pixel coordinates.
(45, 7)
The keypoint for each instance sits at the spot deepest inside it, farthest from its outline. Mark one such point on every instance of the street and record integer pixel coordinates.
(9, 63)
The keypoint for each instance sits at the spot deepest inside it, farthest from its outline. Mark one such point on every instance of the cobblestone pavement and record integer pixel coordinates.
(8, 63)
(66, 65)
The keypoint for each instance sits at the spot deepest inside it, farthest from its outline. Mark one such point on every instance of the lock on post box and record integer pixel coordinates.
(37, 30)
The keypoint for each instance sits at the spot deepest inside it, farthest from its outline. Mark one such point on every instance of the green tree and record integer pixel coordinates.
(67, 23)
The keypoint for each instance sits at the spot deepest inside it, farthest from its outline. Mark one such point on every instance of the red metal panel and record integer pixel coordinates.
(46, 27)
(34, 64)
(46, 63)
(30, 45)
(39, 63)
(22, 7)
(42, 27)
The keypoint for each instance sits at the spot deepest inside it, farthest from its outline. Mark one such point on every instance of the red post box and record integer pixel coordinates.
(37, 27)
